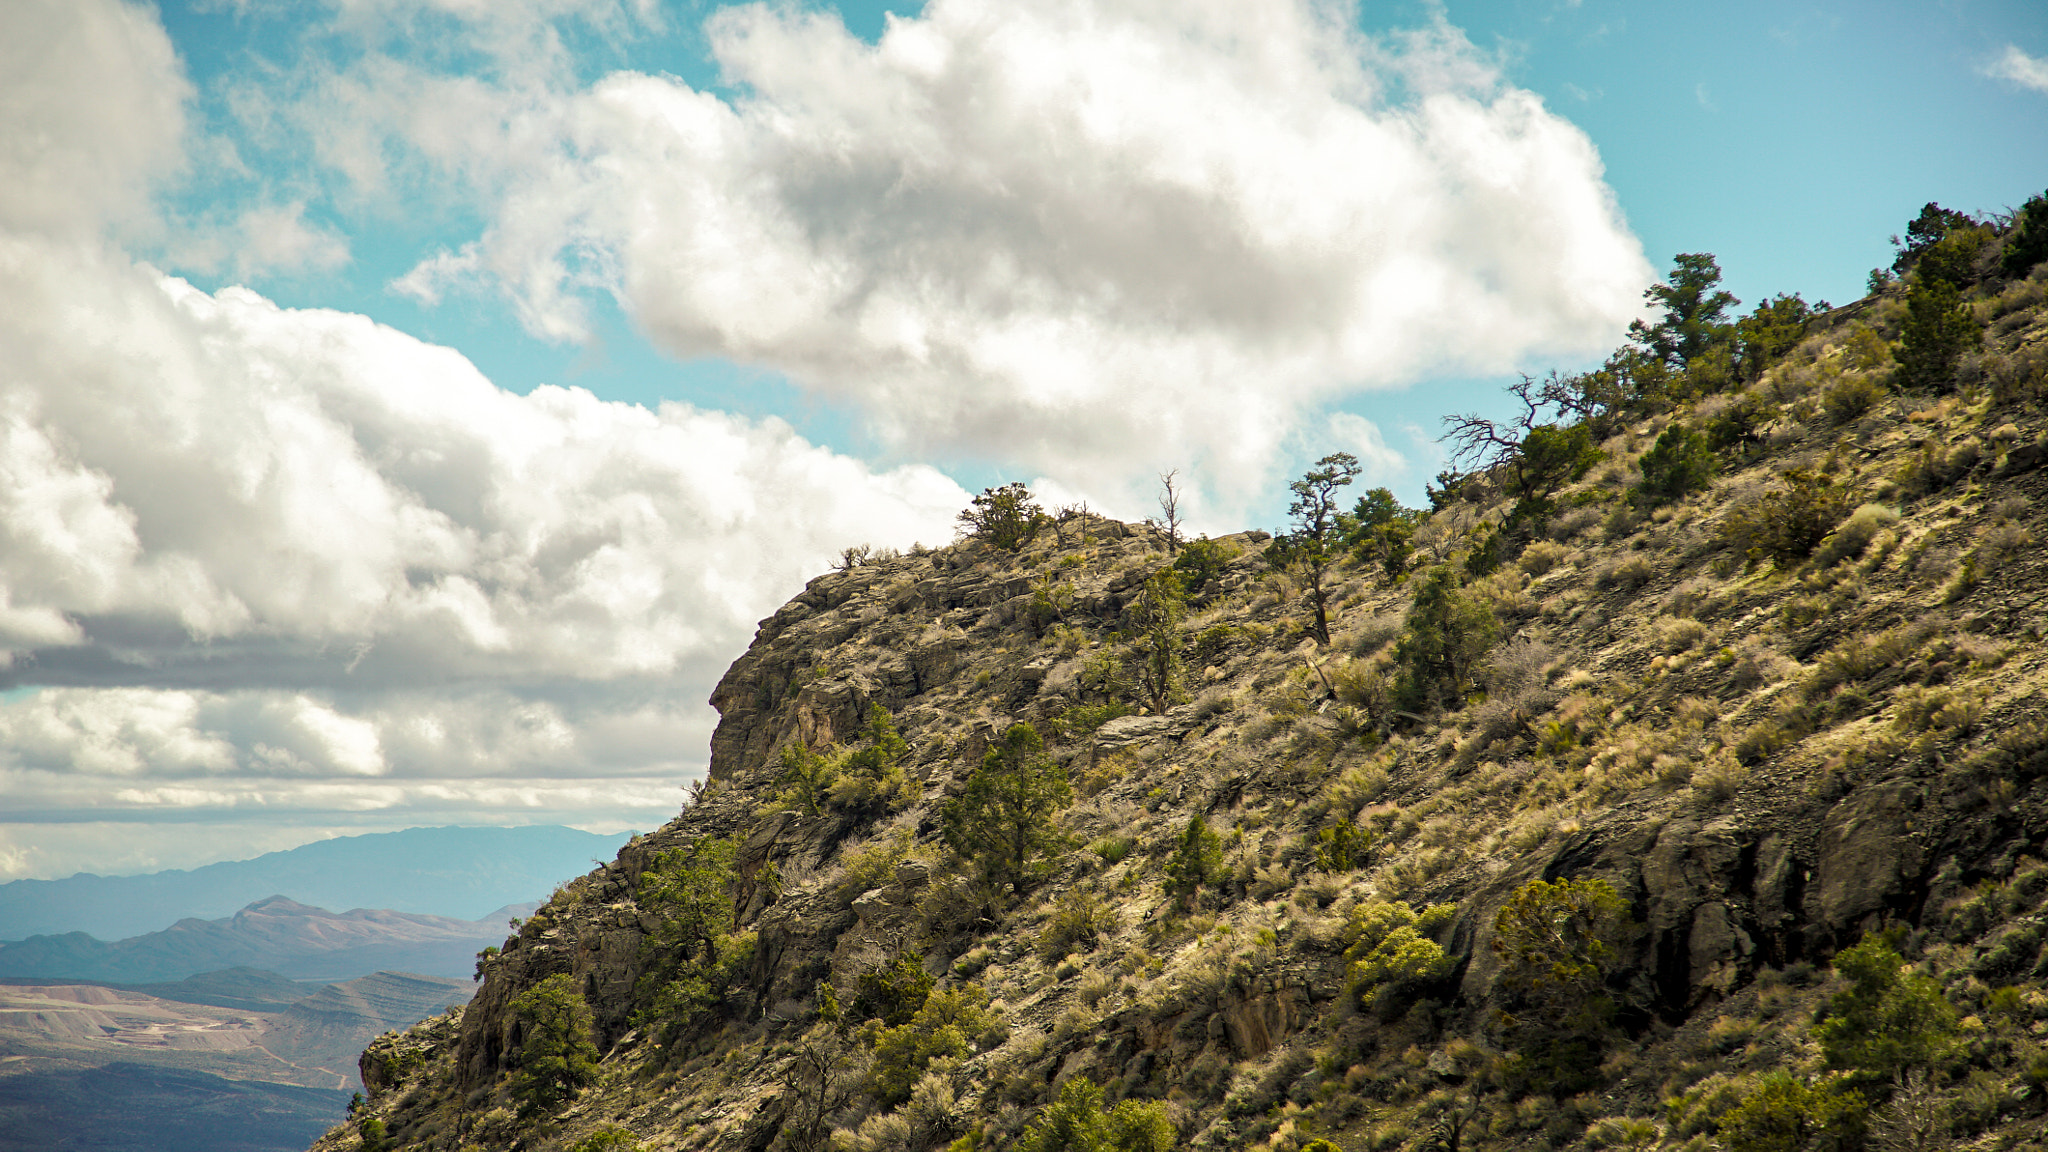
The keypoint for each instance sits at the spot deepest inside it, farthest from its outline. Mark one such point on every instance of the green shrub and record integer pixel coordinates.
(1077, 1122)
(1447, 635)
(1850, 397)
(2027, 245)
(1113, 849)
(1785, 1114)
(863, 783)
(946, 1026)
(1197, 859)
(557, 1056)
(1848, 541)
(1682, 461)
(1078, 920)
(1201, 561)
(1003, 823)
(1344, 847)
(1382, 533)
(1939, 328)
(1007, 517)
(1158, 610)
(1559, 945)
(1790, 521)
(1888, 1020)
(892, 993)
(1390, 955)
(694, 954)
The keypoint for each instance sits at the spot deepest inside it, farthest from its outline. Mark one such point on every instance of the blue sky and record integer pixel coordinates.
(417, 403)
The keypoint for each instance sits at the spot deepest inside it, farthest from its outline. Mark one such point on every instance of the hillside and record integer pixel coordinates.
(465, 873)
(276, 935)
(1675, 782)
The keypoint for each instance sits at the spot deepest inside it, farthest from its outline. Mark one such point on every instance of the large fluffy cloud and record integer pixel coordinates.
(282, 565)
(1090, 237)
(287, 547)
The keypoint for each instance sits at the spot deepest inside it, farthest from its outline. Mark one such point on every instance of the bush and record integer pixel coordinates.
(1559, 944)
(557, 1056)
(1790, 521)
(863, 783)
(1078, 920)
(1888, 1020)
(1850, 397)
(1785, 1114)
(695, 954)
(1201, 561)
(1939, 328)
(1681, 461)
(1390, 955)
(2028, 243)
(893, 992)
(1078, 1123)
(610, 1138)
(1007, 517)
(1855, 534)
(1447, 635)
(946, 1026)
(1344, 847)
(1197, 859)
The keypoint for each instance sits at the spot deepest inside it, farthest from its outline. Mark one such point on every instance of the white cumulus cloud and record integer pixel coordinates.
(289, 565)
(2019, 68)
(1079, 237)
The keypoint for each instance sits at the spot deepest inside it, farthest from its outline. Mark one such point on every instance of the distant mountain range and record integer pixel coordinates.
(462, 873)
(276, 934)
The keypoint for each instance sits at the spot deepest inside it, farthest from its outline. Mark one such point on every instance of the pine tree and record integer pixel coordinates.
(1003, 822)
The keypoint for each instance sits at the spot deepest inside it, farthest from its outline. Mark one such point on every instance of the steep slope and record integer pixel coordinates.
(463, 873)
(1590, 891)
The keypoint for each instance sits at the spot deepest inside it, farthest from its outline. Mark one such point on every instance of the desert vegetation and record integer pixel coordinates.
(1674, 781)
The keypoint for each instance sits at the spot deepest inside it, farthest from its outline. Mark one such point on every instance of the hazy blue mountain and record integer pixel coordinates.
(277, 935)
(463, 873)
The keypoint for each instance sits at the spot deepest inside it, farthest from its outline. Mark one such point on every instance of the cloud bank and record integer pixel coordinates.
(263, 565)
(1088, 238)
(289, 564)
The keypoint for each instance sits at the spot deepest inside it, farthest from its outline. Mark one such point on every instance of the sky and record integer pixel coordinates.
(408, 408)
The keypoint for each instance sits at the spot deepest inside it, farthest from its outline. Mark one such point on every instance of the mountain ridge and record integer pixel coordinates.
(448, 871)
(275, 934)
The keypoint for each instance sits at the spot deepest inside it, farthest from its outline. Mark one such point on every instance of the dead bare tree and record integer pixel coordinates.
(1169, 509)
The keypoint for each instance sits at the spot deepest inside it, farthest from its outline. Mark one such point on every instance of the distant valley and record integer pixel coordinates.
(223, 1009)
(463, 873)
(240, 1059)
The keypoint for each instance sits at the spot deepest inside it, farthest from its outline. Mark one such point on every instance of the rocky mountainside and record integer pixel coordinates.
(1676, 782)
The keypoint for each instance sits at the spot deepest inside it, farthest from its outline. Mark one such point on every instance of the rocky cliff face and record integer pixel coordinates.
(1763, 760)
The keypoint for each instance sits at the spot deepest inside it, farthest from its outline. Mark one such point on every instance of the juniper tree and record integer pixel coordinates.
(556, 1057)
(1158, 612)
(1003, 822)
(1007, 517)
(1695, 311)
(1313, 544)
